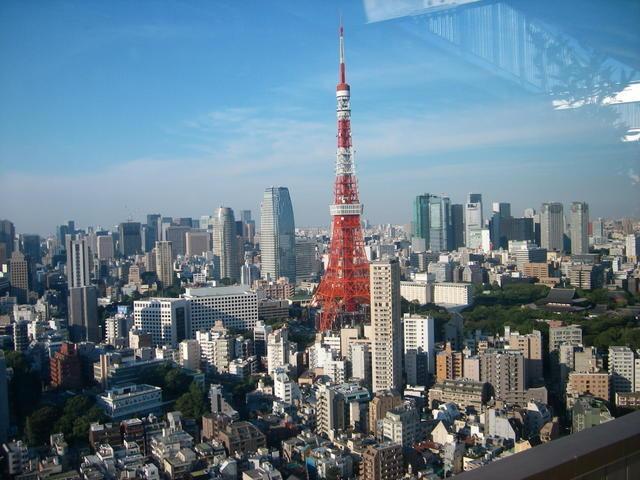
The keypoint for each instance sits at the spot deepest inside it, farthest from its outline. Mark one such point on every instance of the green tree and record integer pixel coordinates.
(25, 387)
(176, 382)
(39, 424)
(192, 404)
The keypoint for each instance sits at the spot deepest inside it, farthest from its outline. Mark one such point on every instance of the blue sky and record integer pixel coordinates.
(118, 109)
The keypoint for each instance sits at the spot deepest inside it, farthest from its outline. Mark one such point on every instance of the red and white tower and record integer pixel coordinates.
(345, 284)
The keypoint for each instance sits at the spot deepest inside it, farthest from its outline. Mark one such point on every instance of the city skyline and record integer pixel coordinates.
(74, 120)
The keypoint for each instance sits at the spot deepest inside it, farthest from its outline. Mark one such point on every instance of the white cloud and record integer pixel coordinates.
(236, 153)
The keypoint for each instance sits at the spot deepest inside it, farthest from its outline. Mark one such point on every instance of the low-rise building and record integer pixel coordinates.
(131, 401)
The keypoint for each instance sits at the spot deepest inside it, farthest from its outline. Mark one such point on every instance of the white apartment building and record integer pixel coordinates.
(279, 350)
(415, 291)
(285, 389)
(447, 293)
(217, 349)
(621, 369)
(190, 354)
(386, 323)
(419, 335)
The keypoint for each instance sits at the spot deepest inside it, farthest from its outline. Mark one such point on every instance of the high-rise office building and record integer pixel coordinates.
(105, 250)
(164, 263)
(130, 238)
(386, 324)
(79, 261)
(457, 226)
(225, 244)
(83, 314)
(30, 246)
(421, 217)
(432, 222)
(152, 231)
(277, 235)
(248, 225)
(579, 228)
(474, 221)
(503, 209)
(597, 230)
(20, 276)
(552, 226)
(526, 252)
(198, 242)
(177, 235)
(306, 262)
(7, 239)
(632, 247)
(440, 235)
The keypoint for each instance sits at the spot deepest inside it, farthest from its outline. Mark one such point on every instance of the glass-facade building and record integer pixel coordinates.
(277, 235)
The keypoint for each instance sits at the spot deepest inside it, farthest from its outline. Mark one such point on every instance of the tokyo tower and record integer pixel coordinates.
(345, 284)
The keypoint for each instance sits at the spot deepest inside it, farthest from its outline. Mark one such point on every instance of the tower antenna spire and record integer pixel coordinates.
(343, 75)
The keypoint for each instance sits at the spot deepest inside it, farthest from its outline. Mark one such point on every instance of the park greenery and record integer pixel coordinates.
(496, 307)
(192, 403)
(171, 378)
(73, 419)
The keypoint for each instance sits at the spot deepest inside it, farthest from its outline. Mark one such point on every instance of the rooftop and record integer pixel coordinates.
(582, 454)
(217, 291)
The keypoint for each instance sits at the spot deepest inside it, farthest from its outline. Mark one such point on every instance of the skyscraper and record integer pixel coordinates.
(130, 241)
(30, 246)
(386, 361)
(551, 226)
(432, 222)
(83, 314)
(225, 244)
(20, 276)
(79, 261)
(457, 226)
(164, 263)
(579, 228)
(152, 231)
(177, 235)
(473, 221)
(277, 235)
(440, 231)
(7, 238)
(421, 217)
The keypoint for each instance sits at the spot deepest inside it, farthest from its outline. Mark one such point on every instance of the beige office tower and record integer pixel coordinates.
(164, 263)
(198, 242)
(579, 228)
(225, 244)
(386, 322)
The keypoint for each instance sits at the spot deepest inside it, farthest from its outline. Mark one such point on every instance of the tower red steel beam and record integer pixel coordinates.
(345, 284)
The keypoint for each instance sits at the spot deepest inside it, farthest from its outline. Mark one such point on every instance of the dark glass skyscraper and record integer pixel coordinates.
(277, 235)
(457, 226)
(130, 241)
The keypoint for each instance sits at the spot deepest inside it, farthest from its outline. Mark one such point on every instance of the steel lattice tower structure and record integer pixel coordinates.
(345, 284)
